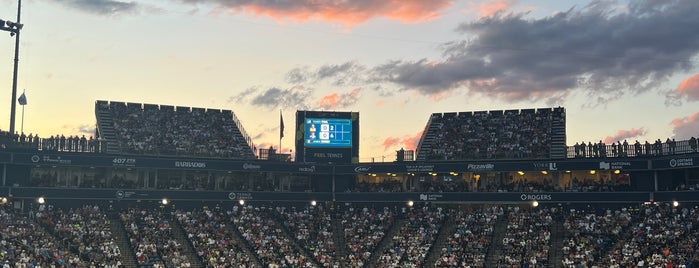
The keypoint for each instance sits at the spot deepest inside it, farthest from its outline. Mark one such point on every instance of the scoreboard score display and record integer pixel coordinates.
(327, 137)
(324, 132)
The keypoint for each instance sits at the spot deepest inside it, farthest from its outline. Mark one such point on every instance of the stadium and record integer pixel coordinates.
(174, 186)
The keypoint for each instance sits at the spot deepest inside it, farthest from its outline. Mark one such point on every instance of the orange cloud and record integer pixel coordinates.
(345, 12)
(678, 122)
(490, 7)
(335, 100)
(407, 142)
(329, 101)
(686, 127)
(624, 134)
(689, 87)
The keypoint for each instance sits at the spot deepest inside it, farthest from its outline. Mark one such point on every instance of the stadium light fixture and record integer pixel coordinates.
(535, 203)
(14, 29)
(4, 200)
(675, 203)
(521, 173)
(544, 172)
(313, 203)
(616, 171)
(41, 200)
(164, 201)
(241, 202)
(593, 172)
(411, 203)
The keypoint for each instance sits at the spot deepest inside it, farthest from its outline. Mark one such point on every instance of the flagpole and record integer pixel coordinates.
(281, 130)
(21, 131)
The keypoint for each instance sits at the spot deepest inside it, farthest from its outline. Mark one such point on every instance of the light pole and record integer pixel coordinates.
(13, 28)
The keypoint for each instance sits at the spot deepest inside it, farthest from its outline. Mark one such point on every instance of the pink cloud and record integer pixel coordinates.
(336, 100)
(686, 127)
(689, 87)
(622, 135)
(345, 12)
(490, 7)
(329, 101)
(407, 142)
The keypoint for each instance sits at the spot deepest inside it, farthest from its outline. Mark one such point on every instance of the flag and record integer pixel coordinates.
(281, 125)
(22, 99)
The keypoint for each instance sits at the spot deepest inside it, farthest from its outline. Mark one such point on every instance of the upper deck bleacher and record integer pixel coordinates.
(135, 128)
(522, 134)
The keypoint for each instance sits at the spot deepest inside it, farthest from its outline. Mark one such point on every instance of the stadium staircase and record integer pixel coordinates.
(495, 250)
(558, 139)
(557, 240)
(242, 244)
(447, 230)
(427, 140)
(128, 256)
(105, 131)
(293, 241)
(339, 239)
(385, 243)
(189, 251)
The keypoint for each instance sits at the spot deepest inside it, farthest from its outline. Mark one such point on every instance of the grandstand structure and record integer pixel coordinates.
(172, 186)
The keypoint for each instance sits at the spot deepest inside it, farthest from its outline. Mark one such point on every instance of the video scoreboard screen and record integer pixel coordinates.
(327, 137)
(328, 132)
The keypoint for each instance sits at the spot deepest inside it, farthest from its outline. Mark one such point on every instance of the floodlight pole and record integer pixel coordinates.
(14, 74)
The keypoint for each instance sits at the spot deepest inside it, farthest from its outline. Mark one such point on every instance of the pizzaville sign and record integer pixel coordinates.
(480, 167)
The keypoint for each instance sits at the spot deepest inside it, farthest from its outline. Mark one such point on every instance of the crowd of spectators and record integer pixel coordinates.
(212, 238)
(649, 235)
(312, 226)
(527, 242)
(23, 243)
(268, 241)
(470, 242)
(184, 131)
(494, 134)
(652, 235)
(409, 247)
(590, 234)
(635, 149)
(364, 228)
(84, 230)
(58, 143)
(151, 237)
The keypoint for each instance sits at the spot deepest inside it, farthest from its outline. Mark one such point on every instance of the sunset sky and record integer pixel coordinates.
(622, 69)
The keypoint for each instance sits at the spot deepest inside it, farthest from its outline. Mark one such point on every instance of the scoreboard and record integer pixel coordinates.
(326, 132)
(327, 137)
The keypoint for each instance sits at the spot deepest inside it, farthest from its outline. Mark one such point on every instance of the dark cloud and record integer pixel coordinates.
(102, 7)
(609, 53)
(240, 97)
(348, 73)
(345, 12)
(294, 97)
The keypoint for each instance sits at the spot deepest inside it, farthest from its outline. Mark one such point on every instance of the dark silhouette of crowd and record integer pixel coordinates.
(632, 149)
(494, 134)
(183, 131)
